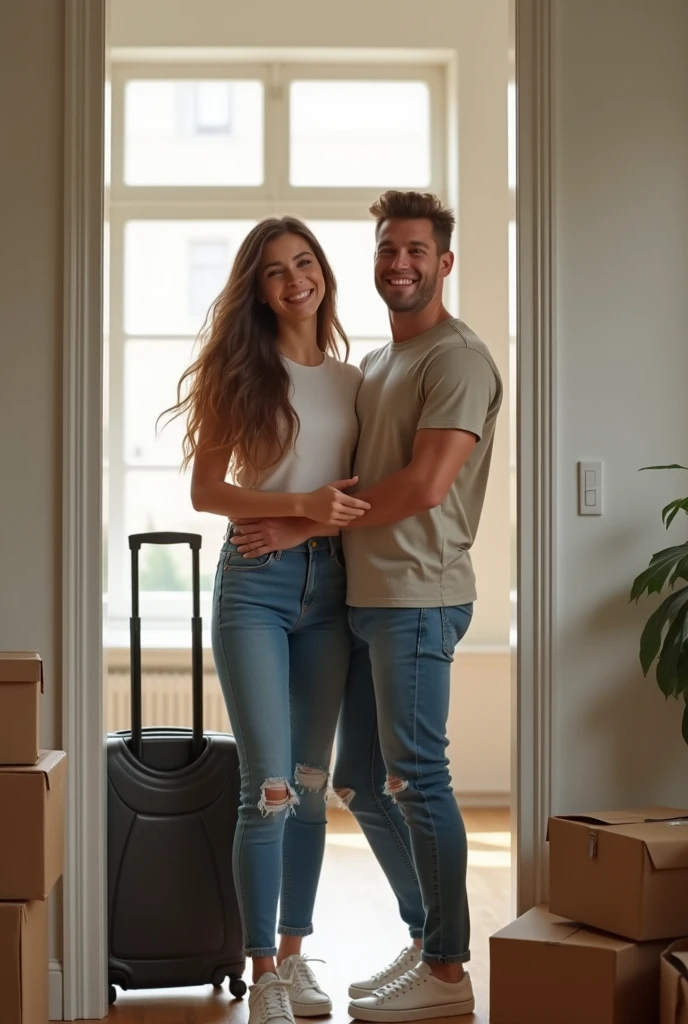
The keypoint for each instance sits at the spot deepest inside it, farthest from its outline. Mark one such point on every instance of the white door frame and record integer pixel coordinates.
(84, 965)
(536, 441)
(85, 884)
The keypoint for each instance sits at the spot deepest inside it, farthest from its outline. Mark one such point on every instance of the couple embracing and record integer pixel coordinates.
(342, 590)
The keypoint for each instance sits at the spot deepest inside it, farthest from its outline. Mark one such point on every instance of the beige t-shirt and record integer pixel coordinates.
(443, 379)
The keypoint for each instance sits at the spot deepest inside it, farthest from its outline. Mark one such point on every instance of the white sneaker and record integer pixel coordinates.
(268, 1001)
(306, 996)
(416, 995)
(408, 958)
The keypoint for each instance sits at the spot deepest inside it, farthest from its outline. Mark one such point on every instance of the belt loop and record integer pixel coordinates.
(333, 550)
(278, 555)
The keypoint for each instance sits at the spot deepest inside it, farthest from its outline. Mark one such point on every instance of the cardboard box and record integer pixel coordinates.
(625, 872)
(32, 827)
(24, 963)
(21, 685)
(546, 970)
(673, 985)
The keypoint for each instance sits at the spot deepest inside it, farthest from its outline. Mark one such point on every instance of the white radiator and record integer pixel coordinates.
(166, 700)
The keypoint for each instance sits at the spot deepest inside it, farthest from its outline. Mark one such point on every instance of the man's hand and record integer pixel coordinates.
(330, 506)
(255, 537)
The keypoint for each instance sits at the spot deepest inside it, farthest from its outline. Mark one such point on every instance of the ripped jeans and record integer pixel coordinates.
(391, 758)
(281, 644)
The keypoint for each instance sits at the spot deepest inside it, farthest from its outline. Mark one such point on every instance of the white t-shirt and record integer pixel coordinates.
(324, 399)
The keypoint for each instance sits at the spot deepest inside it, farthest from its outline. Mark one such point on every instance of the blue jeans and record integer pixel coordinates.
(281, 644)
(408, 652)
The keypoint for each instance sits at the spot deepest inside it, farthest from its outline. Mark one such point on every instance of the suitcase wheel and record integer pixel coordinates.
(237, 986)
(112, 994)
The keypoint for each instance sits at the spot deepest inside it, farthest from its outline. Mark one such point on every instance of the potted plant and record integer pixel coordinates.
(665, 636)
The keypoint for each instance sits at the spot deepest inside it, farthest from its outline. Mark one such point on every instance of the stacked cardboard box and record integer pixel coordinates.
(618, 893)
(32, 785)
(674, 984)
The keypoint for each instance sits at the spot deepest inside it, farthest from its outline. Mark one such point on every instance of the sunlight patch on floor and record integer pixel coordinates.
(349, 840)
(489, 858)
(500, 857)
(500, 839)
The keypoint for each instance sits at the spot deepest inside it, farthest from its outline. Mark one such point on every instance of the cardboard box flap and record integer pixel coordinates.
(539, 925)
(667, 843)
(638, 816)
(679, 960)
(21, 667)
(51, 764)
(674, 973)
(665, 839)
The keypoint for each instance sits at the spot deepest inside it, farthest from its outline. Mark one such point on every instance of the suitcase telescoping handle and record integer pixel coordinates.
(136, 540)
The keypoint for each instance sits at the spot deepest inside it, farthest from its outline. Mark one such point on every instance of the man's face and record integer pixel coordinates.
(409, 270)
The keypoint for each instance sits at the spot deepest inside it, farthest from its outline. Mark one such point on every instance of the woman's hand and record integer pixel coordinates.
(330, 506)
(255, 537)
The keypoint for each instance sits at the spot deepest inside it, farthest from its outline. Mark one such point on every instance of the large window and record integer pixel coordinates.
(199, 153)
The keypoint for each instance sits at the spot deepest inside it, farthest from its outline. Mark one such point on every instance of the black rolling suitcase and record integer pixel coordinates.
(173, 797)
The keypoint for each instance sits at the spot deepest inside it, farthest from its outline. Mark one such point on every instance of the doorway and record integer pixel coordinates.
(204, 253)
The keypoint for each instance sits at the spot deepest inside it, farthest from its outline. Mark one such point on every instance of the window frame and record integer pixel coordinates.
(276, 196)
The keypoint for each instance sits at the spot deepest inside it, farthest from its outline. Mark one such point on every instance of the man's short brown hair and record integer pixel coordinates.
(397, 205)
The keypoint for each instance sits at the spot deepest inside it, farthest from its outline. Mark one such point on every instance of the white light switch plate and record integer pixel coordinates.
(590, 488)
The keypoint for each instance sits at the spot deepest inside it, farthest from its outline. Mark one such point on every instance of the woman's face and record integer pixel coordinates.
(290, 279)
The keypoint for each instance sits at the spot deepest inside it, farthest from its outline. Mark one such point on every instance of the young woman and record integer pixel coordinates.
(271, 402)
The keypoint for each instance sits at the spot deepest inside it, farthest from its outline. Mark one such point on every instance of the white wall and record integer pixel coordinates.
(30, 345)
(622, 332)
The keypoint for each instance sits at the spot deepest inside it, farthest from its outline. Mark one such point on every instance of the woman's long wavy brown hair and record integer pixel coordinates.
(239, 378)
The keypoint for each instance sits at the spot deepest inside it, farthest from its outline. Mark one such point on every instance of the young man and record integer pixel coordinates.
(427, 409)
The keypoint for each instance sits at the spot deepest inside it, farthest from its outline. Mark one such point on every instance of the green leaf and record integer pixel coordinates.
(651, 638)
(661, 565)
(681, 570)
(670, 511)
(674, 465)
(671, 651)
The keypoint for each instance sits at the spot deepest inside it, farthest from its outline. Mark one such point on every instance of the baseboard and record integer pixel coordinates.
(55, 1011)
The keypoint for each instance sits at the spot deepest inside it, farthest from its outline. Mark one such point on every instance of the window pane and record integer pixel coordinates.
(173, 270)
(213, 108)
(159, 500)
(208, 263)
(193, 133)
(151, 372)
(350, 248)
(360, 134)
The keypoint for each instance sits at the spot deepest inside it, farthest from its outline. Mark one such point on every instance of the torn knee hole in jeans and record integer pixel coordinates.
(276, 795)
(395, 786)
(311, 778)
(344, 796)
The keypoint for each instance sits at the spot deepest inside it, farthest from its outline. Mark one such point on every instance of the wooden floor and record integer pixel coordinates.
(357, 920)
